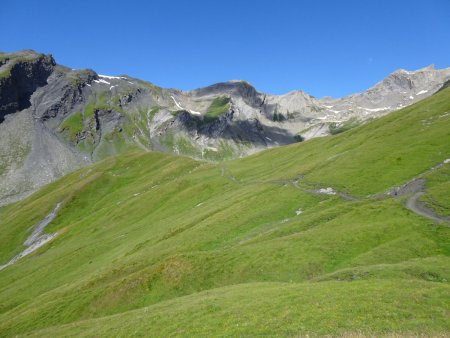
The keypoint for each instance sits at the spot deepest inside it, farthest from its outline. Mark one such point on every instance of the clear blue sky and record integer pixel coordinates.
(323, 47)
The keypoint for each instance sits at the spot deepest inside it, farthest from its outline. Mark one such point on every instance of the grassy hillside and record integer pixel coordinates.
(151, 244)
(367, 159)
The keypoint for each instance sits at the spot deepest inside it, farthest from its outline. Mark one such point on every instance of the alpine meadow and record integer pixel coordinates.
(203, 169)
(295, 240)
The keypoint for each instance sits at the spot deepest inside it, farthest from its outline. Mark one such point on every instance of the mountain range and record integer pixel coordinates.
(54, 119)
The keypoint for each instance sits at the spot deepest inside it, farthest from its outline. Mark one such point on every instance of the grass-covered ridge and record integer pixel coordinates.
(151, 244)
(8, 60)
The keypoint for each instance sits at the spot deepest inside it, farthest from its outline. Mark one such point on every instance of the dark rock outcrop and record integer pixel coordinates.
(20, 76)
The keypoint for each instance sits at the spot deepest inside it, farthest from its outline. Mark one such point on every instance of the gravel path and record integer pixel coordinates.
(418, 207)
(415, 188)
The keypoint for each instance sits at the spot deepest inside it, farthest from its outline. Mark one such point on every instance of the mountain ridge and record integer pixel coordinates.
(79, 116)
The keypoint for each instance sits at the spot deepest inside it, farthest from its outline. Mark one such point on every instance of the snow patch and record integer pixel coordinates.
(376, 109)
(298, 211)
(335, 111)
(176, 103)
(447, 161)
(411, 98)
(102, 81)
(405, 71)
(422, 92)
(327, 191)
(112, 87)
(111, 77)
(193, 112)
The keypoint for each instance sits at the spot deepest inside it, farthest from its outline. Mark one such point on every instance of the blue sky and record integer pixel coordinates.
(323, 47)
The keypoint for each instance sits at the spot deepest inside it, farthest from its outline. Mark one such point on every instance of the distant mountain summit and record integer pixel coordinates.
(54, 119)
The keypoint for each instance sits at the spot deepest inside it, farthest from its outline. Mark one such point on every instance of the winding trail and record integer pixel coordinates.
(37, 238)
(415, 188)
(418, 207)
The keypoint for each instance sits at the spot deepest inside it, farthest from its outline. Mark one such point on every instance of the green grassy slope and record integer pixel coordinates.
(438, 197)
(279, 309)
(367, 159)
(153, 244)
(219, 106)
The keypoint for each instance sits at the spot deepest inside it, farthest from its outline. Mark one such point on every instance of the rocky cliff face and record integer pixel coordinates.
(20, 75)
(54, 119)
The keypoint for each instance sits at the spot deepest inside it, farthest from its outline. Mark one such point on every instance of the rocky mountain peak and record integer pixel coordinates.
(232, 87)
